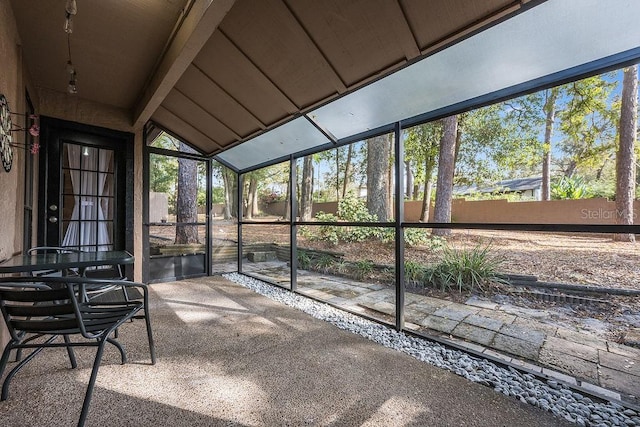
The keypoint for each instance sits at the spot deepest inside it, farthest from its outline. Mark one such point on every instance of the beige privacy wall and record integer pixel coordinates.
(584, 211)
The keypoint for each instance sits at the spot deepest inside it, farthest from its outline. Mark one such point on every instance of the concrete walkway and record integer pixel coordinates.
(230, 357)
(500, 332)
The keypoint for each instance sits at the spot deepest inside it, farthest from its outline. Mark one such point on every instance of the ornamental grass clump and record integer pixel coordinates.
(469, 270)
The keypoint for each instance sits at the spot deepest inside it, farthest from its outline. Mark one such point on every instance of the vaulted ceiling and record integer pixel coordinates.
(221, 72)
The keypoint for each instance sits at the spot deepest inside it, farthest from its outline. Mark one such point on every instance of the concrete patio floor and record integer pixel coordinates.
(228, 356)
(509, 334)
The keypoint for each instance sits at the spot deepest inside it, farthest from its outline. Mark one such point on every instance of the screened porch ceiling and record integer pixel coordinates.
(254, 81)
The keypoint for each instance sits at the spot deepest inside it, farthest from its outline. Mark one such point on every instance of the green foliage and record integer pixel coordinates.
(324, 263)
(419, 237)
(217, 195)
(604, 189)
(465, 269)
(498, 195)
(353, 209)
(414, 272)
(362, 269)
(304, 260)
(570, 188)
(326, 233)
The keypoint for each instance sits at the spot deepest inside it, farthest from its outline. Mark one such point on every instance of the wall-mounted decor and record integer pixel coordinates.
(6, 151)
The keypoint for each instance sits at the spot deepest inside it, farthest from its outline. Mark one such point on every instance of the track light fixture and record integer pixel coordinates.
(70, 9)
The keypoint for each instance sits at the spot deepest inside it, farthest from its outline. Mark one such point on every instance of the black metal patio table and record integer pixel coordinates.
(63, 261)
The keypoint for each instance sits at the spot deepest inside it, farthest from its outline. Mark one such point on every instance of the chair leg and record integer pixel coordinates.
(92, 382)
(123, 355)
(5, 358)
(72, 355)
(14, 371)
(152, 347)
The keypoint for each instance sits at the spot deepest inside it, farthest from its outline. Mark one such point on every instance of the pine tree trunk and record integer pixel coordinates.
(377, 185)
(286, 215)
(426, 202)
(347, 170)
(306, 190)
(409, 180)
(228, 196)
(446, 167)
(251, 196)
(186, 201)
(550, 110)
(625, 160)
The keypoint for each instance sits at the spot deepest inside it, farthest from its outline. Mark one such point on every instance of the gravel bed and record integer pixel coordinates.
(546, 394)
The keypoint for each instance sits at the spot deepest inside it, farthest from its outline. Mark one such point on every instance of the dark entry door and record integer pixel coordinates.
(85, 183)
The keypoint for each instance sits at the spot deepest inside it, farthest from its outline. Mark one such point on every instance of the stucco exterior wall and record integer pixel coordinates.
(11, 183)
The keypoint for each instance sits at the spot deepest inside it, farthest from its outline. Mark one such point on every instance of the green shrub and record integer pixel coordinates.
(324, 263)
(570, 188)
(413, 272)
(465, 269)
(304, 260)
(362, 269)
(353, 209)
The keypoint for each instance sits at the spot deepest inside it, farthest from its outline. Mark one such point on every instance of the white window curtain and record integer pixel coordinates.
(87, 225)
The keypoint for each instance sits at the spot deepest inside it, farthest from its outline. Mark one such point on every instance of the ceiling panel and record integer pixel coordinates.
(183, 130)
(275, 42)
(203, 91)
(434, 20)
(358, 37)
(292, 137)
(196, 116)
(224, 64)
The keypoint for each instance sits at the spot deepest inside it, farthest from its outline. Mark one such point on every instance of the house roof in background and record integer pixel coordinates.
(505, 186)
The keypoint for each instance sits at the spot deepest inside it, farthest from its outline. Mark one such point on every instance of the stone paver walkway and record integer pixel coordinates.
(601, 367)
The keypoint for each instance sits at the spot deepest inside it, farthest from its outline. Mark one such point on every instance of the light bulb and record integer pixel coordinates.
(68, 24)
(72, 88)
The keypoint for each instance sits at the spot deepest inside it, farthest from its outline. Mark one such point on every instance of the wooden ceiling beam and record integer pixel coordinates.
(193, 31)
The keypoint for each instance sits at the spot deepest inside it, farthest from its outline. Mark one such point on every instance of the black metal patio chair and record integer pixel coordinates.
(39, 310)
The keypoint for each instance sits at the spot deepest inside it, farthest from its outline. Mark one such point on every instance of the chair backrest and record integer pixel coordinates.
(49, 250)
(54, 305)
(36, 308)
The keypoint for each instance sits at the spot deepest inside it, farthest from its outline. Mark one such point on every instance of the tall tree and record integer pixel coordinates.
(421, 146)
(186, 202)
(446, 168)
(347, 171)
(230, 194)
(588, 124)
(306, 189)
(551, 96)
(626, 159)
(252, 194)
(377, 177)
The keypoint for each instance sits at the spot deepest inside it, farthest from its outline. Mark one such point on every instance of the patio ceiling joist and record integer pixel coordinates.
(200, 19)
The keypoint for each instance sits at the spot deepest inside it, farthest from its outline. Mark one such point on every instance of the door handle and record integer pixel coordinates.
(53, 219)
